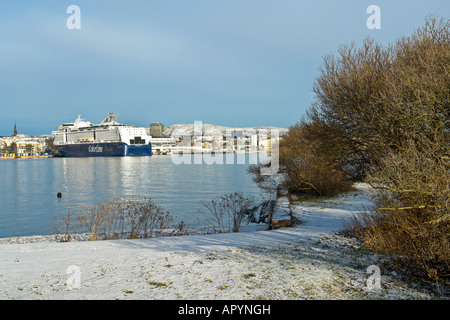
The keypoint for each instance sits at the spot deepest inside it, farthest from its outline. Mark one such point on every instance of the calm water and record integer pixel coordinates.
(28, 187)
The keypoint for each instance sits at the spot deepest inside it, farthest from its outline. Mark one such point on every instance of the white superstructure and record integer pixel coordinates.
(82, 131)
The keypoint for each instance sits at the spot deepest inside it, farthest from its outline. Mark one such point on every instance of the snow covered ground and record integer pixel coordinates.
(307, 261)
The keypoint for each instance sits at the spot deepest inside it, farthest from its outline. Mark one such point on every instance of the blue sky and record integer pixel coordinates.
(227, 62)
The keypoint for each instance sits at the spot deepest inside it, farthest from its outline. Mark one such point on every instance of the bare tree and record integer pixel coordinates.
(383, 115)
(226, 213)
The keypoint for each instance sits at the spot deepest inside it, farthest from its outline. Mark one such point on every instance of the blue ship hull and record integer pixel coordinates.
(104, 149)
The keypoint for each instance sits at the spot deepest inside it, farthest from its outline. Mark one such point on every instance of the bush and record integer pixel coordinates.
(116, 219)
(382, 115)
(371, 100)
(226, 213)
(308, 168)
(411, 214)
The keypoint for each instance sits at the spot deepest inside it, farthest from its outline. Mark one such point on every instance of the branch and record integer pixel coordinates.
(405, 208)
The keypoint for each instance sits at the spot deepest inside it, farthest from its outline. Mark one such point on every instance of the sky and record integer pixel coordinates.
(237, 63)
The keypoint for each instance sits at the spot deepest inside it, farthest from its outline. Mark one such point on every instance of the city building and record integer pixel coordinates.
(23, 145)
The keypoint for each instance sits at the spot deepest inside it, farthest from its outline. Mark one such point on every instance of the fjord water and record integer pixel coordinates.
(29, 187)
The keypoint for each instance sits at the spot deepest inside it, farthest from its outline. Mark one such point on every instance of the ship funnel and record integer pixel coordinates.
(110, 119)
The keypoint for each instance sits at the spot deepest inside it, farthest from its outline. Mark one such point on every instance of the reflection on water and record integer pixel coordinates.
(28, 188)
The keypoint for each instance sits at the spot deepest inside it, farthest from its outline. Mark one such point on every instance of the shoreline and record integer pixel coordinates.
(26, 157)
(170, 233)
(307, 261)
(15, 157)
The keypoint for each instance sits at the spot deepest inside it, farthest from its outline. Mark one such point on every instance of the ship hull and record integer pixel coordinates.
(104, 149)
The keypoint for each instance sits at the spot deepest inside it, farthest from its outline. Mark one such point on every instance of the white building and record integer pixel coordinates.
(23, 145)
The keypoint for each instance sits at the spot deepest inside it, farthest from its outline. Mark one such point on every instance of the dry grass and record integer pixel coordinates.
(116, 219)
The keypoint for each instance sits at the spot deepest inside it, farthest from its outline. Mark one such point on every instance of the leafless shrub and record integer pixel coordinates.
(62, 227)
(411, 214)
(226, 213)
(382, 115)
(411, 217)
(181, 228)
(371, 99)
(116, 219)
(268, 184)
(308, 167)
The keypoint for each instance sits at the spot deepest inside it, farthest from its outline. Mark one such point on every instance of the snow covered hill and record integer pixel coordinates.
(189, 129)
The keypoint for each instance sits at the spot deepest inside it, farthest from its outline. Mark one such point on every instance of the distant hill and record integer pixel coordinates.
(210, 128)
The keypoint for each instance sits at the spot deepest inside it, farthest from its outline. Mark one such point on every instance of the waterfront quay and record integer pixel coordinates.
(23, 156)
